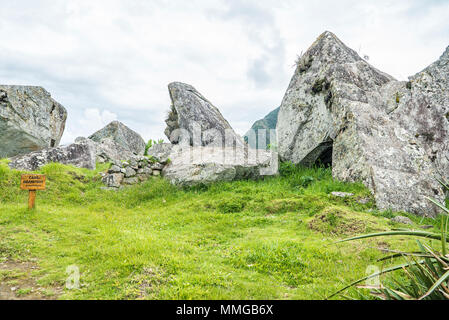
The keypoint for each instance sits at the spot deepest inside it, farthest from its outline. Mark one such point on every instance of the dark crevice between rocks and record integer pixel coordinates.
(325, 158)
(172, 124)
(320, 85)
(320, 156)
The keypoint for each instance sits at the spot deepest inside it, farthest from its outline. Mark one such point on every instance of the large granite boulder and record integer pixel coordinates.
(195, 120)
(108, 150)
(390, 135)
(204, 165)
(80, 155)
(118, 141)
(30, 120)
(262, 134)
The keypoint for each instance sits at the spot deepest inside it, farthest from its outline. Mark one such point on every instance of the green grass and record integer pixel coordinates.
(267, 239)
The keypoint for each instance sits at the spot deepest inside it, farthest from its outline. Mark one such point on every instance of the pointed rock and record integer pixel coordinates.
(118, 142)
(339, 109)
(195, 120)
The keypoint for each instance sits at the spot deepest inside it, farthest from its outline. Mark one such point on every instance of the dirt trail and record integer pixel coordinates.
(17, 283)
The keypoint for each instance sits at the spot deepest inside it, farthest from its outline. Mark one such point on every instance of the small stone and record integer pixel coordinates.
(142, 177)
(114, 169)
(130, 181)
(113, 180)
(342, 194)
(402, 219)
(157, 166)
(363, 200)
(101, 159)
(129, 172)
(133, 164)
(156, 172)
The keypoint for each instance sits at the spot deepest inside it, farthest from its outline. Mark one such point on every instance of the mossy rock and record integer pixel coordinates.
(341, 221)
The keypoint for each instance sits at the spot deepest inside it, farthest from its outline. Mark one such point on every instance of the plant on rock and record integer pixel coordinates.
(151, 143)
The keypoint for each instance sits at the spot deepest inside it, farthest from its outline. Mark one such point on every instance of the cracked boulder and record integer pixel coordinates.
(391, 135)
(195, 121)
(30, 120)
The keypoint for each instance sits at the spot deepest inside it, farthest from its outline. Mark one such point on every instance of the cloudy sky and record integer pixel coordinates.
(107, 60)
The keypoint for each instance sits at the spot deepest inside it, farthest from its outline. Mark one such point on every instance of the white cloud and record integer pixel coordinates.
(119, 55)
(91, 121)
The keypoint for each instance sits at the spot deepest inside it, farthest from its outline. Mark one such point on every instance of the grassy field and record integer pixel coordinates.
(267, 239)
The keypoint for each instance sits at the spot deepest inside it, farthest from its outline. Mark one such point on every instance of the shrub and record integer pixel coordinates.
(426, 271)
(287, 169)
(151, 143)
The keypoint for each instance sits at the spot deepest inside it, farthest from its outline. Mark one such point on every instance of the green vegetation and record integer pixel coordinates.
(424, 274)
(151, 143)
(268, 239)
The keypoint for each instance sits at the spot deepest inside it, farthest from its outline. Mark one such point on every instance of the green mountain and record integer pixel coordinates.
(267, 123)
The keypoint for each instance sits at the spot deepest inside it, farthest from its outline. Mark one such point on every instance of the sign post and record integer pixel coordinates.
(32, 182)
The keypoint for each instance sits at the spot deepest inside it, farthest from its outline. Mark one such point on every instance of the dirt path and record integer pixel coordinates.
(17, 283)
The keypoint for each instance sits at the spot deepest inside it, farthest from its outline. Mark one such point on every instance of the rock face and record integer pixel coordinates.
(204, 165)
(391, 135)
(194, 120)
(118, 141)
(78, 154)
(30, 120)
(107, 150)
(260, 129)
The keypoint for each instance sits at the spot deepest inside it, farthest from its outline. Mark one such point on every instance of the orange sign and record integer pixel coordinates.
(33, 182)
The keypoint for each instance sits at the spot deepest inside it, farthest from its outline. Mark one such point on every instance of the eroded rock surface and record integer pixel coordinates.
(391, 135)
(30, 120)
(116, 138)
(107, 150)
(196, 121)
(78, 154)
(204, 165)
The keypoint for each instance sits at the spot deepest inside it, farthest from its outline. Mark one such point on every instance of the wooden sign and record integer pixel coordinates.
(32, 182)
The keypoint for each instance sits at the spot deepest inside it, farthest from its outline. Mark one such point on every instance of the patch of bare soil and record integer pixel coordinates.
(17, 283)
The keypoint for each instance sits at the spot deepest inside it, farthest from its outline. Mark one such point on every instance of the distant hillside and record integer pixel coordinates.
(267, 123)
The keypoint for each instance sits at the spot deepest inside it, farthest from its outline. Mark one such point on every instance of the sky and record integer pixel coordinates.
(112, 60)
